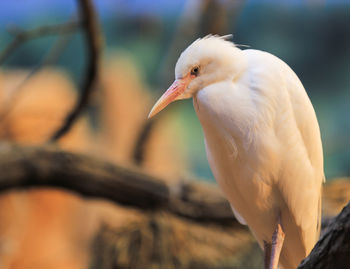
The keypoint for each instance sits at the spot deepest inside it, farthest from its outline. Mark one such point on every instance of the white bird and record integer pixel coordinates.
(262, 141)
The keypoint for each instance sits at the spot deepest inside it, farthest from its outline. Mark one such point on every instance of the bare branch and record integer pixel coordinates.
(93, 40)
(34, 167)
(49, 59)
(27, 167)
(20, 36)
(141, 141)
(53, 55)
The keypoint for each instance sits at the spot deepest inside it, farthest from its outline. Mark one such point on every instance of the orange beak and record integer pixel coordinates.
(175, 90)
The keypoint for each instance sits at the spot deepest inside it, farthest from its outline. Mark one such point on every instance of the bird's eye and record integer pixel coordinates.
(195, 71)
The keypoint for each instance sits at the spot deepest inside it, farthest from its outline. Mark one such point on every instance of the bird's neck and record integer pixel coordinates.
(224, 113)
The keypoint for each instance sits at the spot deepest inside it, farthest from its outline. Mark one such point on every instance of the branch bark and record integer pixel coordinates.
(333, 248)
(35, 167)
(93, 38)
(27, 167)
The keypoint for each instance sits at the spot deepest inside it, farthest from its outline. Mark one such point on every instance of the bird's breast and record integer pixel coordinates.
(235, 149)
(227, 116)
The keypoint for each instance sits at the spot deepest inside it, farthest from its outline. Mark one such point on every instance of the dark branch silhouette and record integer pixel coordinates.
(50, 58)
(29, 167)
(90, 27)
(21, 36)
(93, 40)
(333, 248)
(94, 178)
(141, 141)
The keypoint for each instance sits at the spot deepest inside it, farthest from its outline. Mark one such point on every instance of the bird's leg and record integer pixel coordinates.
(267, 254)
(273, 250)
(277, 243)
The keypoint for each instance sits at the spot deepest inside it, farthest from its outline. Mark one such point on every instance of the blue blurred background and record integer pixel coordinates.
(312, 36)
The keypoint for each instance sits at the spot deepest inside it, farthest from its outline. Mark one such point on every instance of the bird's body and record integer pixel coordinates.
(262, 140)
(265, 151)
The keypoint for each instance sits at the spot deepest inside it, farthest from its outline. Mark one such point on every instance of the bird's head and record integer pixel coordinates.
(206, 61)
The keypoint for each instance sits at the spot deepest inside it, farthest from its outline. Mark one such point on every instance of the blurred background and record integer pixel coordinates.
(40, 82)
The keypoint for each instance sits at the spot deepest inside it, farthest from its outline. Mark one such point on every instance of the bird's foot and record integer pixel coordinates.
(273, 250)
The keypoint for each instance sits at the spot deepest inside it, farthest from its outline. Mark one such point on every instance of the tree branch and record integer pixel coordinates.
(27, 167)
(46, 167)
(333, 248)
(92, 34)
(48, 59)
(21, 36)
(141, 141)
(94, 43)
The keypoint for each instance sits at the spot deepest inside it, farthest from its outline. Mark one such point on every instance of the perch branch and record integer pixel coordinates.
(93, 40)
(333, 248)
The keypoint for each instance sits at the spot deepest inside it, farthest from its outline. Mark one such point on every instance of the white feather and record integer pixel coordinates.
(262, 140)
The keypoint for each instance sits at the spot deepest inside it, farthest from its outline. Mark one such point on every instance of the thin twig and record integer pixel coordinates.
(93, 40)
(20, 36)
(141, 141)
(57, 49)
(50, 58)
(186, 28)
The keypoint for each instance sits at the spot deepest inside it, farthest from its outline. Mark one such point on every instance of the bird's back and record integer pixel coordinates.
(263, 145)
